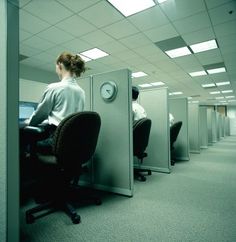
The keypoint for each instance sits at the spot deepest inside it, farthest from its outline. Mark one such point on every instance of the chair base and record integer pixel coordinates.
(139, 175)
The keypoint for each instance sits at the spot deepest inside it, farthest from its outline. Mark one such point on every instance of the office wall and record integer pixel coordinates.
(9, 163)
(85, 84)
(231, 113)
(31, 91)
(179, 108)
(155, 103)
(203, 127)
(113, 160)
(194, 137)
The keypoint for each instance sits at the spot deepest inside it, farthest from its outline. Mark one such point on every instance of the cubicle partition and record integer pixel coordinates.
(223, 126)
(210, 125)
(220, 126)
(194, 137)
(227, 126)
(113, 160)
(217, 126)
(214, 131)
(179, 108)
(155, 102)
(203, 127)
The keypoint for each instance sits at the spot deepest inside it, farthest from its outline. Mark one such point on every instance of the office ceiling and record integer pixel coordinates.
(48, 27)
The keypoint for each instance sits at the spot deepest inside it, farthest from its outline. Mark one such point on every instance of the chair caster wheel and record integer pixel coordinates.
(143, 178)
(98, 202)
(149, 173)
(30, 219)
(75, 219)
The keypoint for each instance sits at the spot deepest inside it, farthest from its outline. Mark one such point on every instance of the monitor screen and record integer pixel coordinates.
(26, 109)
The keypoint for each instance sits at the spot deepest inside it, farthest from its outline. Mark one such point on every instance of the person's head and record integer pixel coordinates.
(70, 64)
(135, 93)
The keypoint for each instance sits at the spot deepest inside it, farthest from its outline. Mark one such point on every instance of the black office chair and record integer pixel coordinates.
(75, 141)
(141, 132)
(174, 132)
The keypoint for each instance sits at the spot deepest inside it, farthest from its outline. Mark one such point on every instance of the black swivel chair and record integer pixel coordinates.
(174, 132)
(75, 141)
(141, 132)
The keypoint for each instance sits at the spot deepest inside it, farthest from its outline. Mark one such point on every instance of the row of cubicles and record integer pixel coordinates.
(111, 168)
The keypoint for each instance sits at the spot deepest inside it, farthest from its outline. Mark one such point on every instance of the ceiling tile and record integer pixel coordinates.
(125, 55)
(209, 57)
(199, 36)
(215, 3)
(193, 23)
(121, 29)
(76, 26)
(22, 3)
(28, 51)
(161, 33)
(150, 18)
(50, 11)
(221, 14)
(135, 41)
(147, 50)
(36, 42)
(31, 23)
(113, 47)
(97, 37)
(187, 62)
(24, 35)
(101, 14)
(76, 45)
(228, 40)
(45, 58)
(55, 35)
(224, 29)
(76, 6)
(182, 8)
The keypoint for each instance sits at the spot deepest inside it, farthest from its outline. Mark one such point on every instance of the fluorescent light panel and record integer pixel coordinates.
(230, 97)
(219, 97)
(198, 73)
(232, 100)
(222, 83)
(145, 85)
(161, 1)
(216, 70)
(130, 7)
(176, 93)
(86, 59)
(227, 91)
(208, 85)
(138, 74)
(178, 52)
(215, 92)
(157, 83)
(204, 46)
(94, 53)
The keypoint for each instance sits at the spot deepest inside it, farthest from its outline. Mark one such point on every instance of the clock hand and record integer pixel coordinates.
(108, 91)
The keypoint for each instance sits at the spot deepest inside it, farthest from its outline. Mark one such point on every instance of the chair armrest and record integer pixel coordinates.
(36, 133)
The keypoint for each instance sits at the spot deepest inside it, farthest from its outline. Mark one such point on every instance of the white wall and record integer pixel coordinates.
(231, 113)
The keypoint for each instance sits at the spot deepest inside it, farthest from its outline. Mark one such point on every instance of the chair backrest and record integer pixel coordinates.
(141, 132)
(75, 139)
(174, 132)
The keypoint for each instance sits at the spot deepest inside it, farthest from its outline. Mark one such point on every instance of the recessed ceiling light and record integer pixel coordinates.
(208, 85)
(219, 97)
(145, 85)
(222, 83)
(216, 70)
(223, 101)
(138, 74)
(86, 59)
(176, 93)
(196, 101)
(178, 52)
(215, 92)
(161, 1)
(204, 46)
(227, 91)
(198, 73)
(232, 100)
(94, 53)
(230, 97)
(157, 83)
(130, 7)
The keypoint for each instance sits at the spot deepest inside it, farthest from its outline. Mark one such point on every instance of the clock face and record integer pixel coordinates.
(108, 90)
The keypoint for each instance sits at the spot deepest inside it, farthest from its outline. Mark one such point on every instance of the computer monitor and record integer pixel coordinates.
(26, 109)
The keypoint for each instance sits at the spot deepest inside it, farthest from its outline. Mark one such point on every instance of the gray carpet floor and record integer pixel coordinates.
(196, 202)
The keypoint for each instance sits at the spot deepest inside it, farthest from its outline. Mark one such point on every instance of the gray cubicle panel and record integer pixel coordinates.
(214, 131)
(227, 125)
(210, 125)
(85, 84)
(203, 127)
(113, 159)
(178, 107)
(194, 134)
(218, 126)
(155, 103)
(223, 126)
